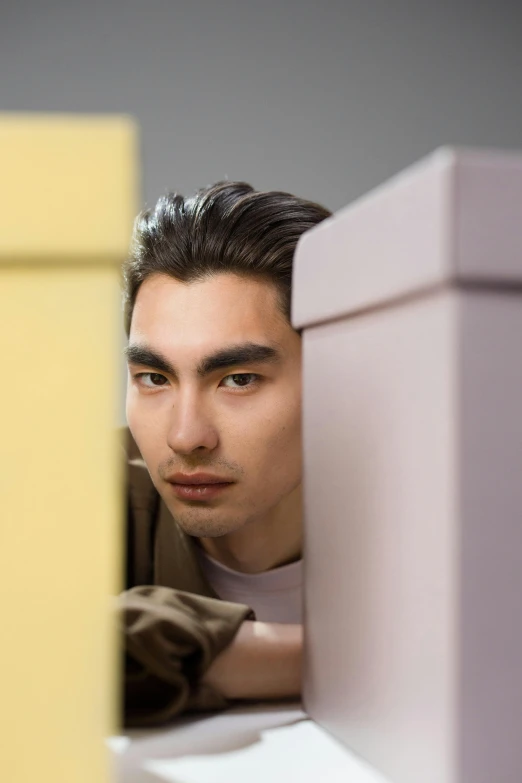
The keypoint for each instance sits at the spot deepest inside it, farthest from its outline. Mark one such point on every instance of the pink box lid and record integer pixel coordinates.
(453, 217)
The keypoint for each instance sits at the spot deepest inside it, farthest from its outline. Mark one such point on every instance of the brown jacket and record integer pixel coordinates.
(174, 624)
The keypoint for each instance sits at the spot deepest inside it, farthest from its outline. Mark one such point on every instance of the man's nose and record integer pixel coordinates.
(191, 425)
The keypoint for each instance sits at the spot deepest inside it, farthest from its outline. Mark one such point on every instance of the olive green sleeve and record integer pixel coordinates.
(171, 638)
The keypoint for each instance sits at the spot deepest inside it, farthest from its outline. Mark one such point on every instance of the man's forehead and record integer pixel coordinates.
(207, 314)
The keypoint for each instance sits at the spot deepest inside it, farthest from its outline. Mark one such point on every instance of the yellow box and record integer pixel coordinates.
(68, 193)
(67, 200)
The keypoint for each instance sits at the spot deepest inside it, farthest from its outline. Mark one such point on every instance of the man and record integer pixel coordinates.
(214, 408)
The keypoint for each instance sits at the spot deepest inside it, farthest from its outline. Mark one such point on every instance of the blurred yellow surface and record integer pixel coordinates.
(67, 199)
(67, 189)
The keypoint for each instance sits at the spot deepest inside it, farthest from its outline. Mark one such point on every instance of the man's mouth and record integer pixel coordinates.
(198, 486)
(197, 479)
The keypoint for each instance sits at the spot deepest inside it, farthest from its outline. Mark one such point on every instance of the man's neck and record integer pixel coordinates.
(262, 544)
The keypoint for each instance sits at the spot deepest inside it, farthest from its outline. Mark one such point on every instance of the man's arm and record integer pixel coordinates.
(263, 661)
(186, 652)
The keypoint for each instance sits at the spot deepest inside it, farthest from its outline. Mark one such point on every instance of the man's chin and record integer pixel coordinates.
(206, 528)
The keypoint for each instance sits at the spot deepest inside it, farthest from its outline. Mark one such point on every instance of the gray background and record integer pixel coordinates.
(324, 99)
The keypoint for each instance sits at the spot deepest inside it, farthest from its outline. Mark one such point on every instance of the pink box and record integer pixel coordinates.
(410, 301)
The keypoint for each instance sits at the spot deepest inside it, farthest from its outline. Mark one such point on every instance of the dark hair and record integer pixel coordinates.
(228, 227)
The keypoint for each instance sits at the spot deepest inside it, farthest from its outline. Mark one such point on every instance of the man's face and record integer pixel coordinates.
(215, 388)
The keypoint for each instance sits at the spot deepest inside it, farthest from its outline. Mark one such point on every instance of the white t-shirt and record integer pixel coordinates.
(275, 596)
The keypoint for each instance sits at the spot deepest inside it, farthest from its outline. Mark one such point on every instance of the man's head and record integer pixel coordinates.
(214, 363)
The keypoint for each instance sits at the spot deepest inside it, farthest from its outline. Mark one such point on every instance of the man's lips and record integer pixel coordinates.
(198, 486)
(197, 479)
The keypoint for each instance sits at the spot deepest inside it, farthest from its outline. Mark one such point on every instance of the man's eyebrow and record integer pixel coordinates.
(234, 355)
(141, 354)
(245, 353)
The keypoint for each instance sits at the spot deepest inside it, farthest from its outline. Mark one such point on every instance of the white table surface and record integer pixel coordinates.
(254, 743)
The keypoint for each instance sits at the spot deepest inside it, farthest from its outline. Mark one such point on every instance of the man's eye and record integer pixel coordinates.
(240, 380)
(151, 380)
